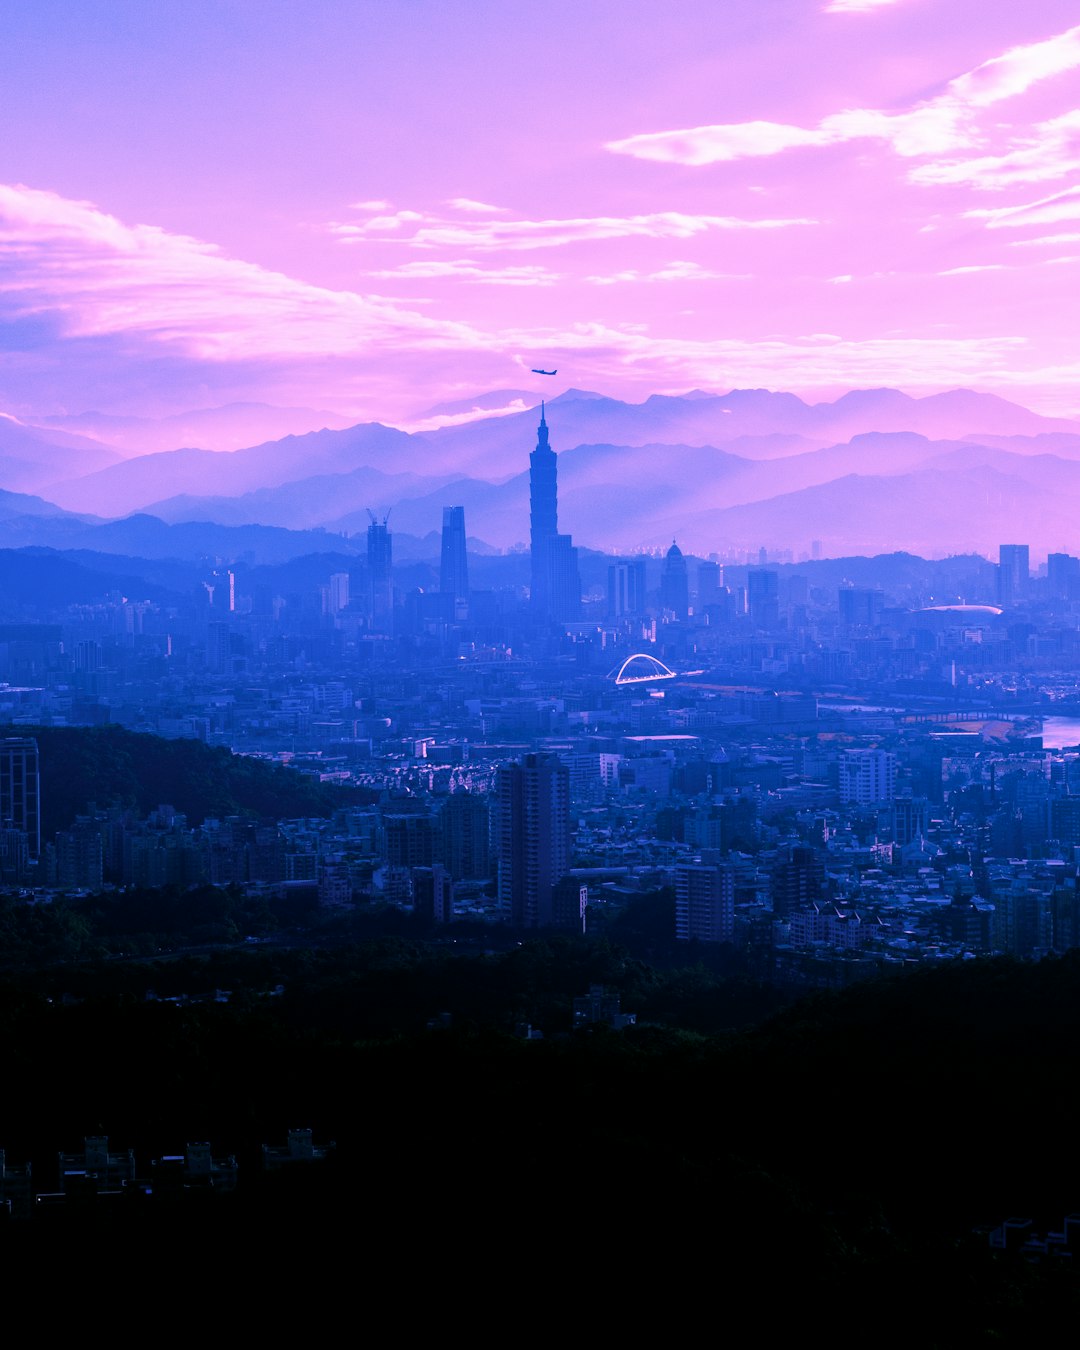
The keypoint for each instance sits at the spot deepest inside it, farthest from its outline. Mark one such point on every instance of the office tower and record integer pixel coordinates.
(763, 598)
(674, 583)
(556, 583)
(338, 593)
(910, 817)
(464, 835)
(1062, 576)
(533, 803)
(704, 902)
(380, 567)
(708, 585)
(867, 777)
(1013, 573)
(860, 607)
(433, 894)
(20, 790)
(626, 588)
(454, 572)
(798, 879)
(410, 840)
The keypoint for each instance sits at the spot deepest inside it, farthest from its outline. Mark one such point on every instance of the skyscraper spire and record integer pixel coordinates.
(556, 585)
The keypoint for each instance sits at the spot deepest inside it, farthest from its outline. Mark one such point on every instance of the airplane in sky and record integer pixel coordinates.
(544, 372)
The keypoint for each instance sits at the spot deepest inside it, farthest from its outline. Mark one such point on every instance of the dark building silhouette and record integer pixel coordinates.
(763, 598)
(1063, 576)
(1013, 574)
(20, 790)
(708, 585)
(556, 583)
(463, 827)
(432, 893)
(626, 588)
(704, 902)
(674, 583)
(798, 879)
(533, 800)
(454, 570)
(380, 569)
(860, 606)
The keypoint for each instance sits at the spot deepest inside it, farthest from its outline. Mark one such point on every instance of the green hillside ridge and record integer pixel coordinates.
(110, 765)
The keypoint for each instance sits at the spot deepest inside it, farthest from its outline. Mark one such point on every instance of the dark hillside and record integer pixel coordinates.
(109, 764)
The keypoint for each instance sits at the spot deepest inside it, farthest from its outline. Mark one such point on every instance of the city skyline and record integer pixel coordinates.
(380, 210)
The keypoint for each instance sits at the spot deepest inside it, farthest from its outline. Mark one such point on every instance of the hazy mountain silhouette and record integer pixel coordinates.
(133, 484)
(32, 458)
(230, 427)
(874, 468)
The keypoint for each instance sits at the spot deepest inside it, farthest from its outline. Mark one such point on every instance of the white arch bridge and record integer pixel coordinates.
(647, 670)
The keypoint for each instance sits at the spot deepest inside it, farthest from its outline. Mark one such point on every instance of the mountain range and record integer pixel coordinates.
(874, 470)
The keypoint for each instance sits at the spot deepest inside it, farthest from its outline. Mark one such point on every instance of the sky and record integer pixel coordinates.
(376, 207)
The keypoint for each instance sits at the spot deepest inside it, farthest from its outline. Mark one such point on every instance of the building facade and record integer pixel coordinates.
(533, 804)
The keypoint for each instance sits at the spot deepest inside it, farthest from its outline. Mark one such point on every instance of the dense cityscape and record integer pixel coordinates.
(540, 670)
(833, 777)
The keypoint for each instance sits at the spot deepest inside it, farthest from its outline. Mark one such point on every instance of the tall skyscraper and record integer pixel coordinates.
(556, 583)
(626, 588)
(708, 585)
(454, 572)
(533, 802)
(674, 583)
(20, 790)
(380, 570)
(1013, 573)
(763, 598)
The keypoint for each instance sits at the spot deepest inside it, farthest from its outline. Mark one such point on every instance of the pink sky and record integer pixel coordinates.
(374, 207)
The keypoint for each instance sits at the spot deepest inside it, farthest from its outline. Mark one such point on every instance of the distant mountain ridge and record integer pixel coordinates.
(873, 469)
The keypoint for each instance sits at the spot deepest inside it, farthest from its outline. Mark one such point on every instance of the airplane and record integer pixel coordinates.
(544, 372)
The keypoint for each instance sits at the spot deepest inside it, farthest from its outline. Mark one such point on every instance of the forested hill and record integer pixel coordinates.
(108, 765)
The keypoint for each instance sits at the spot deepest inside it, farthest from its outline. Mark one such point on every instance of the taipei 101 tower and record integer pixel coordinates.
(556, 585)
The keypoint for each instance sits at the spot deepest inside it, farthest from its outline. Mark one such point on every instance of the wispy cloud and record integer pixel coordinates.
(938, 126)
(855, 6)
(1046, 211)
(94, 275)
(408, 227)
(972, 267)
(466, 270)
(479, 208)
(672, 271)
(1048, 153)
(1046, 240)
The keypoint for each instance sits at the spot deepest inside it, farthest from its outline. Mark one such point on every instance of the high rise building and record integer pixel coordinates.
(20, 789)
(763, 598)
(380, 573)
(454, 572)
(337, 593)
(556, 582)
(674, 583)
(704, 902)
(709, 581)
(1062, 576)
(533, 803)
(464, 831)
(867, 777)
(626, 588)
(1013, 573)
(860, 606)
(798, 879)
